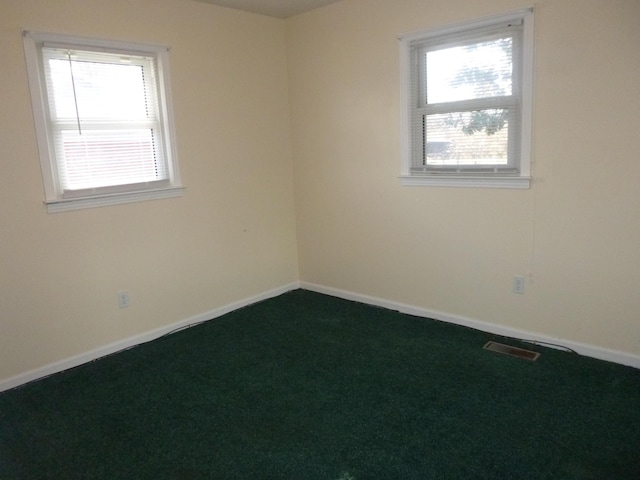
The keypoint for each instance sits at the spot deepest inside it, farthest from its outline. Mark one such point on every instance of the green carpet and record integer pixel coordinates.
(307, 386)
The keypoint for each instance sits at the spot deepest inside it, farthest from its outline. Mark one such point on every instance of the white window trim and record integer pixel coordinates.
(520, 181)
(32, 41)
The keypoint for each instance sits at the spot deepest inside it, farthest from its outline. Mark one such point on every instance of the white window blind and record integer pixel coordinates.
(105, 120)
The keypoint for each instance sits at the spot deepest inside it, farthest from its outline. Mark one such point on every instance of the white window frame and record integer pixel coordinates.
(55, 199)
(520, 179)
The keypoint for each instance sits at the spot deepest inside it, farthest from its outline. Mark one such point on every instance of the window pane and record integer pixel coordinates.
(466, 138)
(99, 90)
(99, 158)
(467, 72)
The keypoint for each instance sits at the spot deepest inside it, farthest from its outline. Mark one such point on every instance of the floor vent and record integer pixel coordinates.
(513, 351)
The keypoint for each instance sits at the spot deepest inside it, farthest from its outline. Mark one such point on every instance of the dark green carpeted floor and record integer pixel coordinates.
(306, 386)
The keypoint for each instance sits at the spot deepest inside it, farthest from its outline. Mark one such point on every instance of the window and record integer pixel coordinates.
(103, 120)
(467, 96)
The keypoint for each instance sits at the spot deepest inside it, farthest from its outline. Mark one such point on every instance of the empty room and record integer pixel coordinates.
(338, 240)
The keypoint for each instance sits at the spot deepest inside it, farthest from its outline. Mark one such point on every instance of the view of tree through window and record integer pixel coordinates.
(461, 78)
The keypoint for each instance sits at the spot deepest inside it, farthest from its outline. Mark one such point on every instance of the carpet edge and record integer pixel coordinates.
(588, 350)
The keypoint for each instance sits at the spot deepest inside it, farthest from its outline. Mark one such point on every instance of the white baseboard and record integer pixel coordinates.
(99, 352)
(593, 351)
(581, 348)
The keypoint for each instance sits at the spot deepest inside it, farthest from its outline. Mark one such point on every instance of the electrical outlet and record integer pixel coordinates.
(518, 284)
(123, 299)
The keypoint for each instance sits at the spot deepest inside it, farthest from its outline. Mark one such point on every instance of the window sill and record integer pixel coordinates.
(465, 181)
(66, 204)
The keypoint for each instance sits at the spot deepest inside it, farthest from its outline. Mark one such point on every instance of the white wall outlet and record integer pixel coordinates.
(123, 299)
(518, 284)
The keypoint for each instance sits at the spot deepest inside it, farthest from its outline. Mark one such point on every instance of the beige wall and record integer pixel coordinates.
(575, 234)
(231, 236)
(247, 91)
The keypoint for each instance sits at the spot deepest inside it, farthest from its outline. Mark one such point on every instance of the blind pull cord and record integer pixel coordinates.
(75, 98)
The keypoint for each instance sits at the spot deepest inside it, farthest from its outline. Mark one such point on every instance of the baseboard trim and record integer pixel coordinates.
(588, 350)
(111, 348)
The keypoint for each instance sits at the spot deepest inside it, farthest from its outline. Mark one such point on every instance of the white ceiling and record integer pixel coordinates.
(273, 8)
